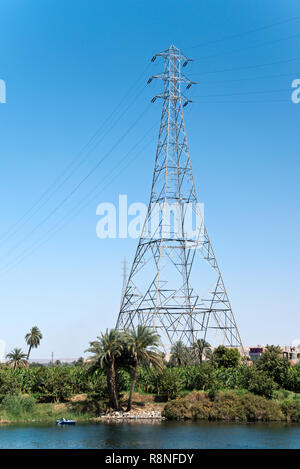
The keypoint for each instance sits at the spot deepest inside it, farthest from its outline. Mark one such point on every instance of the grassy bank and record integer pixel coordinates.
(24, 409)
(233, 406)
(47, 413)
(81, 407)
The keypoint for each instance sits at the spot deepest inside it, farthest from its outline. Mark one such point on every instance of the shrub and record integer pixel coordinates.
(227, 406)
(169, 382)
(291, 410)
(10, 381)
(123, 380)
(178, 410)
(18, 405)
(146, 380)
(258, 408)
(201, 377)
(54, 383)
(197, 405)
(258, 382)
(283, 394)
(230, 378)
(292, 379)
(96, 385)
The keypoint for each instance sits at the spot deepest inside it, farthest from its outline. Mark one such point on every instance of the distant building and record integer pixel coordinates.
(291, 352)
(255, 352)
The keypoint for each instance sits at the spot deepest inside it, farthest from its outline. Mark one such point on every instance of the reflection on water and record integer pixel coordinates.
(151, 434)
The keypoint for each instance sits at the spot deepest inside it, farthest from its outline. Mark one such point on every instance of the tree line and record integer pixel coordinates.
(122, 362)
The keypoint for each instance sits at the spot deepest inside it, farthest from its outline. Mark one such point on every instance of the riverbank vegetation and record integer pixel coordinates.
(26, 409)
(126, 371)
(232, 406)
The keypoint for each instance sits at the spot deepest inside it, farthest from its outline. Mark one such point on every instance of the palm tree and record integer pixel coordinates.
(106, 349)
(200, 348)
(17, 358)
(179, 354)
(33, 338)
(142, 344)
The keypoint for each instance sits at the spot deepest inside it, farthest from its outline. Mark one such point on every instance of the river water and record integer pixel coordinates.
(156, 435)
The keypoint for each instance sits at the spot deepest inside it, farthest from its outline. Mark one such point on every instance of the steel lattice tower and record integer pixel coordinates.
(175, 285)
(124, 270)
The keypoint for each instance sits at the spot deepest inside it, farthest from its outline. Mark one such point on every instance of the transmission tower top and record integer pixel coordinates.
(172, 76)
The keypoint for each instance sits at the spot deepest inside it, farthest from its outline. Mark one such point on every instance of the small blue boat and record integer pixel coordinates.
(65, 422)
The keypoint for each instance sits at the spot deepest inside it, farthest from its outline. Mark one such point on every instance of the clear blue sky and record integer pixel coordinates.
(67, 65)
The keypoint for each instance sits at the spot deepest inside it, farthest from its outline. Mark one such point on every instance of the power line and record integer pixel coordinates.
(248, 66)
(249, 47)
(264, 77)
(68, 177)
(52, 189)
(242, 102)
(78, 185)
(244, 33)
(84, 203)
(240, 93)
(59, 226)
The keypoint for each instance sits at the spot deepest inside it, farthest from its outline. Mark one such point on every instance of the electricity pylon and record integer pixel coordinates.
(124, 283)
(175, 285)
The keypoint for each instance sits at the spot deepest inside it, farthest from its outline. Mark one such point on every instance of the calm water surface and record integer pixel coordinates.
(151, 435)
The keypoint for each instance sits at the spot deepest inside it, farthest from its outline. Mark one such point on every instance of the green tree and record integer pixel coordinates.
(169, 382)
(180, 355)
(17, 358)
(273, 364)
(54, 383)
(201, 348)
(33, 339)
(106, 349)
(142, 343)
(258, 382)
(292, 381)
(230, 378)
(226, 357)
(201, 378)
(10, 381)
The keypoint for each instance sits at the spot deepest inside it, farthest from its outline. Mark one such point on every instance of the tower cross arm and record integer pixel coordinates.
(168, 77)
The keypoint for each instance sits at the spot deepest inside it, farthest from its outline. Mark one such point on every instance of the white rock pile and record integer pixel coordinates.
(132, 415)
